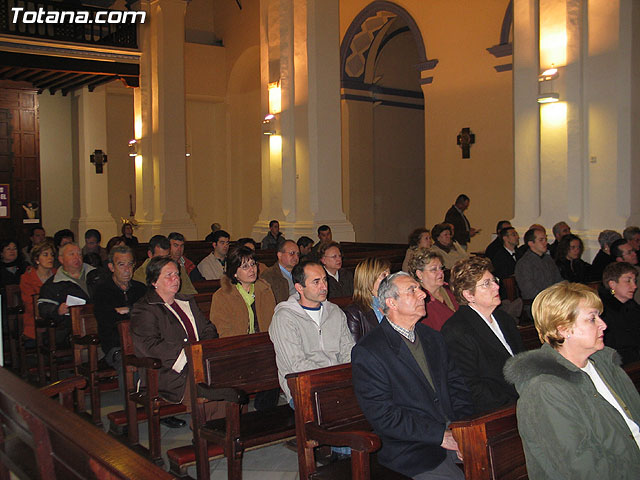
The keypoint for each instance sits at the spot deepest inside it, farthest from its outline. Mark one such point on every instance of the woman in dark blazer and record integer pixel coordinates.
(480, 338)
(364, 314)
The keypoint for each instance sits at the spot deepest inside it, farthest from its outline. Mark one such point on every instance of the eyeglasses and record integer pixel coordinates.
(248, 266)
(436, 269)
(488, 283)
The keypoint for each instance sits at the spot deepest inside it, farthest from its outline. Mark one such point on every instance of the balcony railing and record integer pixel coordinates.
(12, 22)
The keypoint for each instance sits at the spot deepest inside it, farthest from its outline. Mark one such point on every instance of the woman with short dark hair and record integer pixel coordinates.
(244, 303)
(419, 239)
(621, 312)
(569, 259)
(481, 338)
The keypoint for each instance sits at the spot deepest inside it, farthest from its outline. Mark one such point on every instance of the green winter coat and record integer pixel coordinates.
(568, 430)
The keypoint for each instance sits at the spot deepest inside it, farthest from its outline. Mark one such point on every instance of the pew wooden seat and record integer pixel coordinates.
(491, 446)
(43, 440)
(85, 342)
(13, 304)
(203, 300)
(229, 370)
(529, 336)
(152, 407)
(207, 286)
(327, 413)
(49, 353)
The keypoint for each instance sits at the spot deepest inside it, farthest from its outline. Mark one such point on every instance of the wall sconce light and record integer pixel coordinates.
(187, 150)
(270, 125)
(133, 147)
(275, 98)
(548, 97)
(545, 86)
(98, 158)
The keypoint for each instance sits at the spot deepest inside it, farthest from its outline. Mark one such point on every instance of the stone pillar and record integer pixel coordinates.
(159, 110)
(573, 158)
(302, 170)
(92, 208)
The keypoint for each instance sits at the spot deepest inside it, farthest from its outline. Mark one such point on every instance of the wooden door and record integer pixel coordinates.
(19, 158)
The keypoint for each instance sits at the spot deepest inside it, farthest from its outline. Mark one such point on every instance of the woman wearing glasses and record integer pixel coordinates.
(480, 338)
(243, 303)
(427, 268)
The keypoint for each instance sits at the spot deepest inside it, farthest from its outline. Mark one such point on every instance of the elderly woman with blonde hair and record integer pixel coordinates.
(578, 411)
(365, 313)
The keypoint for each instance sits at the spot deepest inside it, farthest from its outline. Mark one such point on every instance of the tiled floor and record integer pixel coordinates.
(275, 462)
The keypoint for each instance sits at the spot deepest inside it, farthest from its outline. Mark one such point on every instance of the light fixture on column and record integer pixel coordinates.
(275, 98)
(546, 92)
(270, 125)
(187, 150)
(133, 147)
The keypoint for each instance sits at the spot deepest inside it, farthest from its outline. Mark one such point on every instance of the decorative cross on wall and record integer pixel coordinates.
(465, 140)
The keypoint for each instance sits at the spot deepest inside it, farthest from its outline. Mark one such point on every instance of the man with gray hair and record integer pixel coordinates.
(632, 235)
(408, 387)
(559, 230)
(603, 257)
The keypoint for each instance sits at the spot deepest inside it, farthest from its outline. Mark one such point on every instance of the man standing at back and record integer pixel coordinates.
(462, 230)
(279, 274)
(309, 332)
(325, 236)
(274, 238)
(408, 387)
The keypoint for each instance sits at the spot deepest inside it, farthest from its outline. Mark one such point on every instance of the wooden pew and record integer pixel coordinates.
(49, 353)
(207, 286)
(42, 439)
(529, 336)
(85, 342)
(153, 408)
(491, 446)
(230, 369)
(13, 304)
(327, 413)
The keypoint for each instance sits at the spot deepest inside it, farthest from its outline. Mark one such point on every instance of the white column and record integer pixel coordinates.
(302, 178)
(161, 184)
(92, 209)
(573, 158)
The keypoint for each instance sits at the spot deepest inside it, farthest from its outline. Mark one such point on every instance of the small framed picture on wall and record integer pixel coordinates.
(5, 210)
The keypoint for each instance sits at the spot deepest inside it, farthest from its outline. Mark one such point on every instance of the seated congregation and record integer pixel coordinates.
(401, 361)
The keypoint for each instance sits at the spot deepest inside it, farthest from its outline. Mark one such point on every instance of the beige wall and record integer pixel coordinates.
(56, 157)
(121, 166)
(466, 92)
(223, 119)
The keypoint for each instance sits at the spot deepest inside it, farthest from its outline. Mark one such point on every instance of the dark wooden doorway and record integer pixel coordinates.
(19, 157)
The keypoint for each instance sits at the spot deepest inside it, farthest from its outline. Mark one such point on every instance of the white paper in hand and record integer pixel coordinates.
(73, 301)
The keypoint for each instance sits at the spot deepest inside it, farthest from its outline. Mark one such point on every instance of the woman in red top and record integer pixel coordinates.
(42, 257)
(427, 268)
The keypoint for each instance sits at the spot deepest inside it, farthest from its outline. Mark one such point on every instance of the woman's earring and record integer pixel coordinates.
(613, 292)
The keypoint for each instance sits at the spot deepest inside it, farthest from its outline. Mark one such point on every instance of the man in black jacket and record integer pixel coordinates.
(113, 300)
(408, 387)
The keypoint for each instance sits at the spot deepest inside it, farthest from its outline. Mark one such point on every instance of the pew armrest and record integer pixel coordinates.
(356, 439)
(143, 362)
(233, 395)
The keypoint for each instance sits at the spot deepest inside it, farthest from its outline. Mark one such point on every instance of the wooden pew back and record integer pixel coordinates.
(327, 412)
(245, 362)
(44, 440)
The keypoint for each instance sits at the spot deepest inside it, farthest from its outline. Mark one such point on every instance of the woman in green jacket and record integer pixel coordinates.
(578, 411)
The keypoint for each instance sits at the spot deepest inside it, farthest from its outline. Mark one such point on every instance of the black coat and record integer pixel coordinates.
(480, 355)
(342, 288)
(600, 261)
(577, 271)
(623, 326)
(107, 297)
(398, 401)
